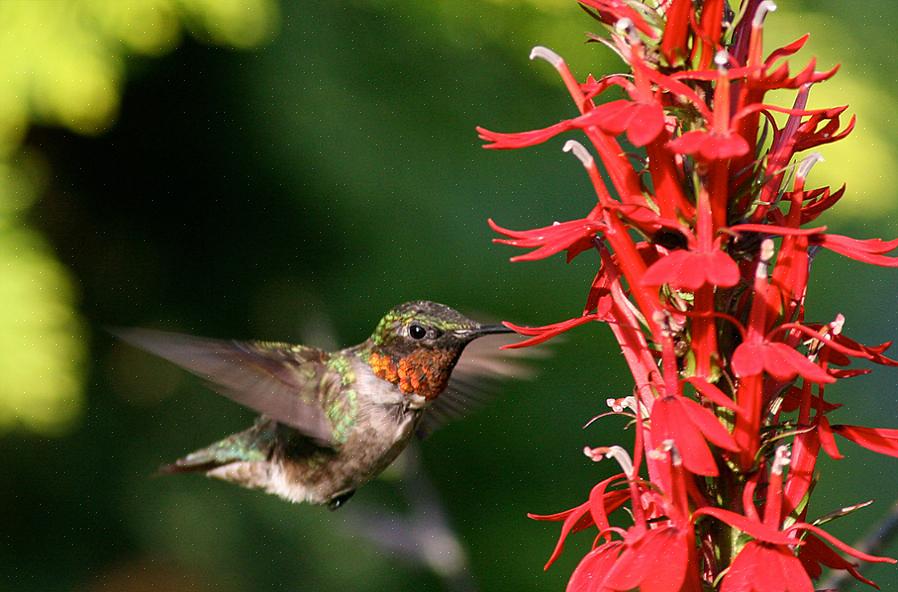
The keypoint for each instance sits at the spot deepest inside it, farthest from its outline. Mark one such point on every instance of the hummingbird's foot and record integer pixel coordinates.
(339, 500)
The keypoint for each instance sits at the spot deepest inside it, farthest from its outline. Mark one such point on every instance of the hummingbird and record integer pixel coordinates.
(332, 421)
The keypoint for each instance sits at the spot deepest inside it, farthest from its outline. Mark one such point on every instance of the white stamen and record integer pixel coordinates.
(655, 454)
(781, 460)
(618, 405)
(837, 324)
(722, 58)
(761, 13)
(616, 452)
(580, 152)
(623, 26)
(544, 53)
(807, 164)
(670, 447)
(767, 250)
(629, 403)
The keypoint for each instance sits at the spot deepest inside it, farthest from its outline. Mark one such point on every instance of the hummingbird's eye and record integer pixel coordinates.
(416, 331)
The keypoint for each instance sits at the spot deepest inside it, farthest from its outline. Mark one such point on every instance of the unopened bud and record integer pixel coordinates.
(767, 250)
(623, 26)
(781, 460)
(722, 58)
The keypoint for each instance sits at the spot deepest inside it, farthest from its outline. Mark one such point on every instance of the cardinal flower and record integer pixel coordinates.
(702, 270)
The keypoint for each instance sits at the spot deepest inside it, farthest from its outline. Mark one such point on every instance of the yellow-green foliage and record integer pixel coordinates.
(62, 63)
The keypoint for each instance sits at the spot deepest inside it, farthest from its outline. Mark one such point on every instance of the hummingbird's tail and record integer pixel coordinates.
(249, 446)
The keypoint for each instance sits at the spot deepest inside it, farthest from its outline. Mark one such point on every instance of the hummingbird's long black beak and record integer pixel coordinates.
(483, 330)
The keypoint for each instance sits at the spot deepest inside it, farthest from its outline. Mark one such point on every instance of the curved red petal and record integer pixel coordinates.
(709, 425)
(754, 528)
(591, 572)
(670, 421)
(748, 359)
(881, 440)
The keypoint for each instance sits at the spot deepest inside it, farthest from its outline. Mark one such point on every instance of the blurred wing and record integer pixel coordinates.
(275, 379)
(477, 377)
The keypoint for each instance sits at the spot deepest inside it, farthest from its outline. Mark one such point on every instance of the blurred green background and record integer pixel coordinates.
(244, 168)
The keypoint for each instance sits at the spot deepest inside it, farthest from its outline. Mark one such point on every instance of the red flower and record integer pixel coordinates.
(574, 236)
(690, 270)
(643, 122)
(881, 440)
(696, 291)
(592, 572)
(761, 567)
(710, 145)
(688, 425)
(778, 360)
(655, 559)
(546, 332)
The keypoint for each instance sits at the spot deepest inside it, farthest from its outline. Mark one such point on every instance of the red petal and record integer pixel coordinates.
(708, 423)
(784, 363)
(741, 575)
(670, 421)
(693, 269)
(814, 552)
(592, 571)
(546, 332)
(748, 359)
(569, 523)
(868, 251)
(793, 572)
(844, 547)
(756, 529)
(656, 562)
(673, 42)
(712, 393)
(665, 558)
(723, 147)
(500, 141)
(881, 440)
(688, 143)
(710, 145)
(646, 125)
(827, 440)
(721, 269)
(602, 503)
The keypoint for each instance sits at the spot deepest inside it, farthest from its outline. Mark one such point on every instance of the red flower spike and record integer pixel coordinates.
(693, 299)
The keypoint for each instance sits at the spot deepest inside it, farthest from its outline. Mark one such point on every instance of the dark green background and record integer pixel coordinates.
(329, 175)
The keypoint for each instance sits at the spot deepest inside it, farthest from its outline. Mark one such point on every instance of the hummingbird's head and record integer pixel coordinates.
(417, 344)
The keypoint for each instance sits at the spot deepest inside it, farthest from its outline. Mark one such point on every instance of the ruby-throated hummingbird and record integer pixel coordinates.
(332, 421)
